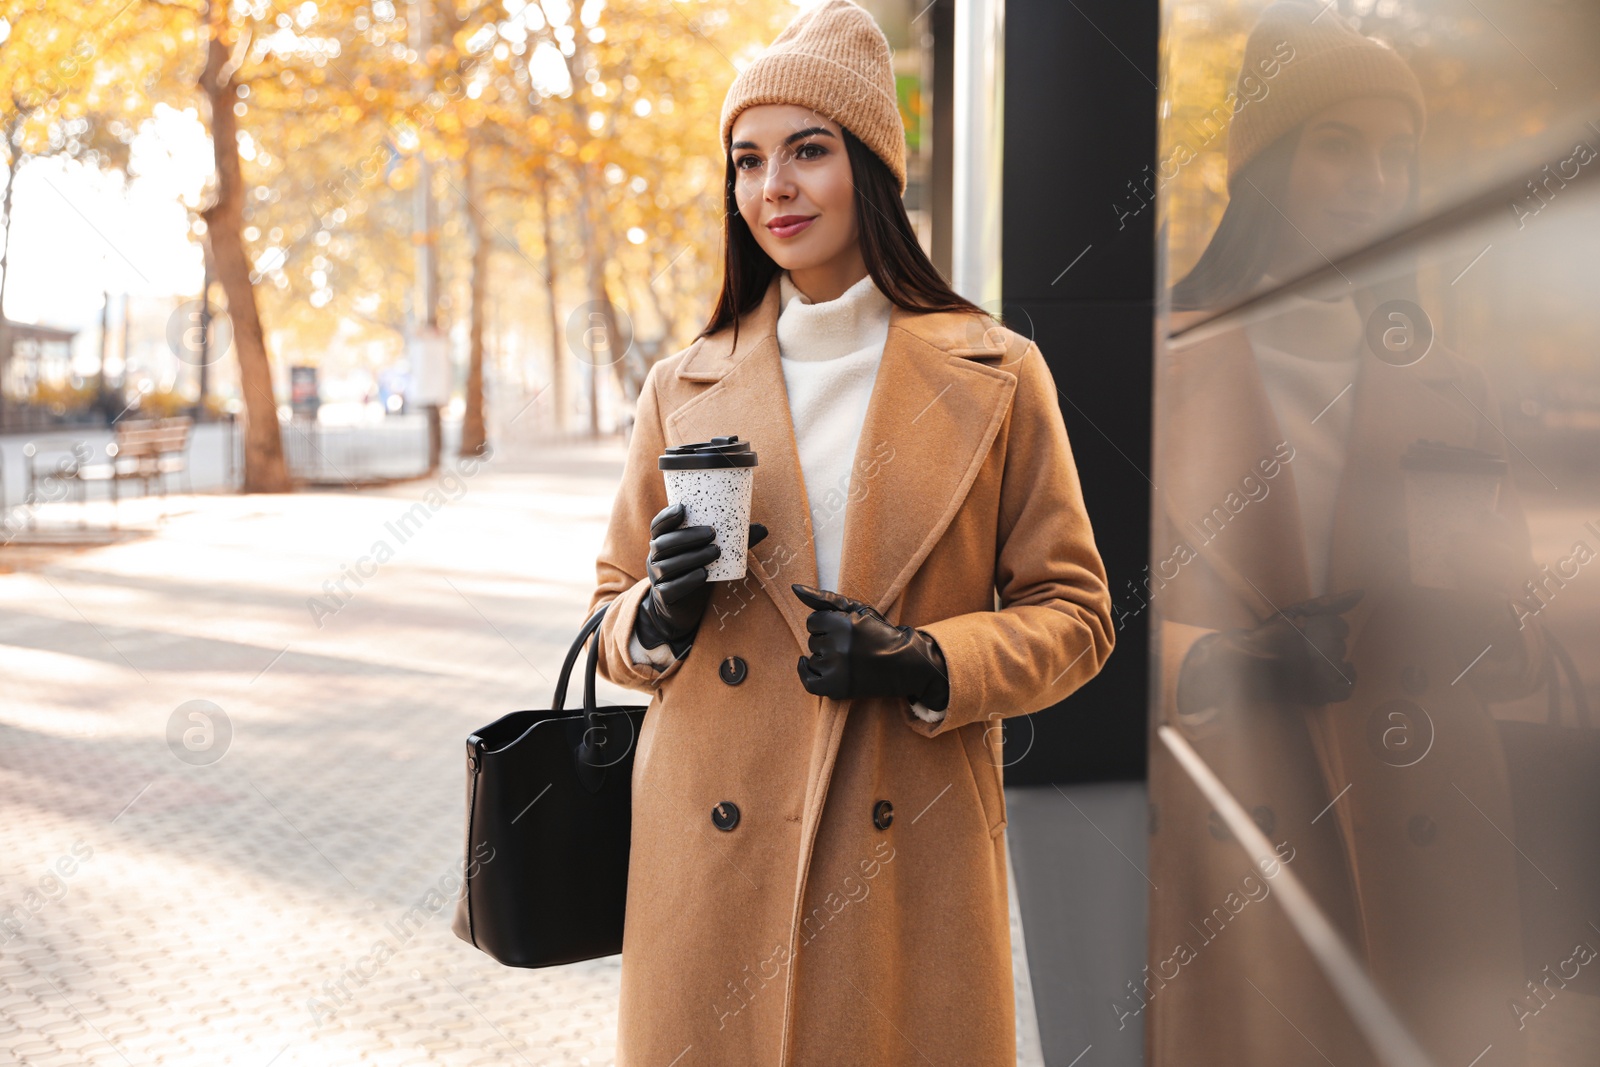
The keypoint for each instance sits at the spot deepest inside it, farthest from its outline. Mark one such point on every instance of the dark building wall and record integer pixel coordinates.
(1078, 254)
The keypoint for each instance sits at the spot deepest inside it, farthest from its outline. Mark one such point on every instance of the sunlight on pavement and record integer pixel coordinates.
(285, 898)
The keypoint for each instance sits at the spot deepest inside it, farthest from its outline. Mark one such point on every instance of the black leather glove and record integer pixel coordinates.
(1296, 656)
(679, 590)
(856, 652)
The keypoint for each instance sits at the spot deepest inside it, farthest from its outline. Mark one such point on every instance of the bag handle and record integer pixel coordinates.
(590, 769)
(559, 700)
(589, 713)
(582, 736)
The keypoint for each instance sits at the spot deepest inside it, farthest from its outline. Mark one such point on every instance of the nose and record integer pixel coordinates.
(1369, 176)
(777, 184)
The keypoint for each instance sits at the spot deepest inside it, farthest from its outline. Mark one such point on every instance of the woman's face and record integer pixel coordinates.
(1350, 178)
(790, 164)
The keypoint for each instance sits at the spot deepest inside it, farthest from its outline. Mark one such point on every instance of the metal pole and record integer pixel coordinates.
(205, 340)
(979, 138)
(101, 398)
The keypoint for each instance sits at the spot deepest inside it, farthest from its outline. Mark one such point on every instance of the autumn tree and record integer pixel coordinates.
(629, 133)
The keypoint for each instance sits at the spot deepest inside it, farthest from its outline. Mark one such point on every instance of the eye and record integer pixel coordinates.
(821, 151)
(739, 164)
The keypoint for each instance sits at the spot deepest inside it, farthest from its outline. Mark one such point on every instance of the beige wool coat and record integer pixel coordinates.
(856, 910)
(1392, 807)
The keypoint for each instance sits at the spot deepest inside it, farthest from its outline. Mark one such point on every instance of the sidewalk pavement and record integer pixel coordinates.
(231, 762)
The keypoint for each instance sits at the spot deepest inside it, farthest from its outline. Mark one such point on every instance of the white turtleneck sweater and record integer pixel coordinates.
(830, 352)
(1308, 354)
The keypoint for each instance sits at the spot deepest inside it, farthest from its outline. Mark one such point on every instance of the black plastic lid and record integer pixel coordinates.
(1454, 459)
(719, 453)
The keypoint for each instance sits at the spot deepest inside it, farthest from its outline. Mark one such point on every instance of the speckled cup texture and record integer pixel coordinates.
(719, 499)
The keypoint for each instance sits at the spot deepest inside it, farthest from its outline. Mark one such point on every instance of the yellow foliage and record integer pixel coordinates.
(340, 111)
(162, 404)
(63, 398)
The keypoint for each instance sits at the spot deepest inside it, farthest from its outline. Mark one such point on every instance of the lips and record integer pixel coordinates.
(789, 225)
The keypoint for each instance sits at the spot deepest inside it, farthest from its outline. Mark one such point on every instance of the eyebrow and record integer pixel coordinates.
(792, 138)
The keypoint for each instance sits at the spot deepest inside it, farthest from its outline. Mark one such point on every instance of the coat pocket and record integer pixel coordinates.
(986, 775)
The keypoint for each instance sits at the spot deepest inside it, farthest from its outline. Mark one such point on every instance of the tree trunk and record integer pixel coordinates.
(473, 434)
(13, 136)
(666, 308)
(558, 363)
(264, 468)
(606, 346)
(626, 364)
(629, 365)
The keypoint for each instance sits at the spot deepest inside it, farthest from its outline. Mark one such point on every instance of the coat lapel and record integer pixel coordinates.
(932, 417)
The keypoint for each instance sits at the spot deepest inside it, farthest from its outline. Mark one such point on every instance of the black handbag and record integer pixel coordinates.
(549, 812)
(1555, 797)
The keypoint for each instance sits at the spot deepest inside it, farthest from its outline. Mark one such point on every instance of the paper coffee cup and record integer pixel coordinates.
(713, 480)
(1448, 491)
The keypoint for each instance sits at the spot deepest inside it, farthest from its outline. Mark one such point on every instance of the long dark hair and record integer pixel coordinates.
(1242, 246)
(897, 263)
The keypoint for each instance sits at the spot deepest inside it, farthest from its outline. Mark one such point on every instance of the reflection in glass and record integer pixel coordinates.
(1368, 579)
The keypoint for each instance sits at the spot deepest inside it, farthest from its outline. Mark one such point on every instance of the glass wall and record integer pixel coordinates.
(1375, 571)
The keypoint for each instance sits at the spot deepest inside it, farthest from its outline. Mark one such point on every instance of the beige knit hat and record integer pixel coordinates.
(1330, 62)
(833, 59)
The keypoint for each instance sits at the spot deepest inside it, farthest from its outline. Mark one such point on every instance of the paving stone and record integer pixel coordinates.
(216, 901)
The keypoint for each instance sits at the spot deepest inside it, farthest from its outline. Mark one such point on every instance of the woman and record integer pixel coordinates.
(818, 870)
(1339, 692)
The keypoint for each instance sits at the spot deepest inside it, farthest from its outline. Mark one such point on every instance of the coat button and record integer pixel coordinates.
(882, 814)
(725, 816)
(732, 670)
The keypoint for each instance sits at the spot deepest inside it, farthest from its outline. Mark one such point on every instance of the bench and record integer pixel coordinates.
(142, 450)
(147, 450)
